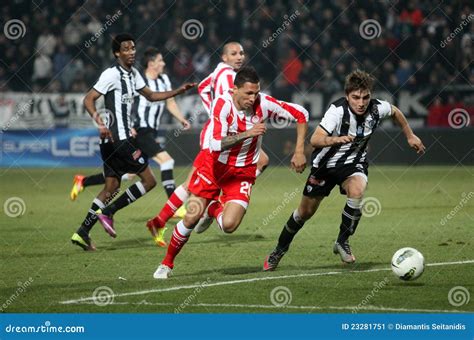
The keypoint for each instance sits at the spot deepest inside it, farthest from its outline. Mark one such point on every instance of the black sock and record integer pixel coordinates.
(350, 220)
(288, 233)
(167, 181)
(91, 218)
(130, 195)
(93, 180)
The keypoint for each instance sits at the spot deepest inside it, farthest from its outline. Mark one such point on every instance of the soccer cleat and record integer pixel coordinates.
(159, 238)
(204, 222)
(107, 222)
(77, 187)
(163, 272)
(344, 250)
(157, 233)
(84, 243)
(272, 260)
(180, 213)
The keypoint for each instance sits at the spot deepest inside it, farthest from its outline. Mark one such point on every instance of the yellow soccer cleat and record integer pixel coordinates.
(159, 237)
(77, 187)
(180, 213)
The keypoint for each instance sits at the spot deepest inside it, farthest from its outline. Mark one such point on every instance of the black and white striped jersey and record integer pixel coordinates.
(339, 120)
(148, 114)
(119, 88)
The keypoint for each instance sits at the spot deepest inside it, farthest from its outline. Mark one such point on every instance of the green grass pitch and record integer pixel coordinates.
(428, 208)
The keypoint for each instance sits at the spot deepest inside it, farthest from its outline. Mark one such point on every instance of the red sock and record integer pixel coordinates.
(215, 208)
(177, 242)
(174, 202)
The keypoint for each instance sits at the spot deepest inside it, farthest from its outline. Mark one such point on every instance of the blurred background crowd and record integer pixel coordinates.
(297, 46)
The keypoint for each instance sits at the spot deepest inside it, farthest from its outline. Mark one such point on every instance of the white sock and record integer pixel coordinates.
(182, 229)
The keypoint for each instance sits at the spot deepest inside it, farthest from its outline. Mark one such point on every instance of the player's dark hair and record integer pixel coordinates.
(246, 74)
(358, 80)
(149, 55)
(118, 39)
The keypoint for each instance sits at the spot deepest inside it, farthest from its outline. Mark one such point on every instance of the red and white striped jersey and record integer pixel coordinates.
(218, 82)
(228, 121)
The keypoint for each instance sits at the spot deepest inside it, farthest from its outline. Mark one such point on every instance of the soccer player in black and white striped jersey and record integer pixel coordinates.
(147, 116)
(340, 143)
(119, 85)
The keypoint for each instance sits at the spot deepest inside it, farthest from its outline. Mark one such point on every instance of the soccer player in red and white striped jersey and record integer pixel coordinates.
(220, 81)
(237, 128)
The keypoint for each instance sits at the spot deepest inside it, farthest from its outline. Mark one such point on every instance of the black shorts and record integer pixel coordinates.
(146, 141)
(122, 157)
(322, 180)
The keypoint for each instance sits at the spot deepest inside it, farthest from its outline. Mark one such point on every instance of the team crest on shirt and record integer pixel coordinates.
(127, 99)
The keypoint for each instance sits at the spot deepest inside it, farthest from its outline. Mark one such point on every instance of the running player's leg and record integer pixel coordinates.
(179, 196)
(133, 192)
(183, 229)
(354, 186)
(166, 164)
(82, 237)
(296, 221)
(174, 202)
(80, 182)
(262, 162)
(318, 185)
(126, 158)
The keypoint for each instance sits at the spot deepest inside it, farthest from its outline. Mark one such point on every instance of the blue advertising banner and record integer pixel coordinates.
(237, 326)
(50, 148)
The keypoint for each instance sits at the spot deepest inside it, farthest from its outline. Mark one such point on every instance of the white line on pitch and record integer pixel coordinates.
(255, 279)
(286, 307)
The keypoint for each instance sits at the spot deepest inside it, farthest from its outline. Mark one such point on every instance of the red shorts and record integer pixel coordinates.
(212, 176)
(201, 158)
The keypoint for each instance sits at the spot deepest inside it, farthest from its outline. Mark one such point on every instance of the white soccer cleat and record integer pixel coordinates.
(204, 222)
(345, 252)
(163, 272)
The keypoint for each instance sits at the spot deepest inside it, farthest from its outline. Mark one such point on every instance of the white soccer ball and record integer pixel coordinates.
(408, 264)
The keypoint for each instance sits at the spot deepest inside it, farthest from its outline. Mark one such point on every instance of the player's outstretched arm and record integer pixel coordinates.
(173, 108)
(412, 139)
(298, 161)
(89, 103)
(153, 96)
(321, 139)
